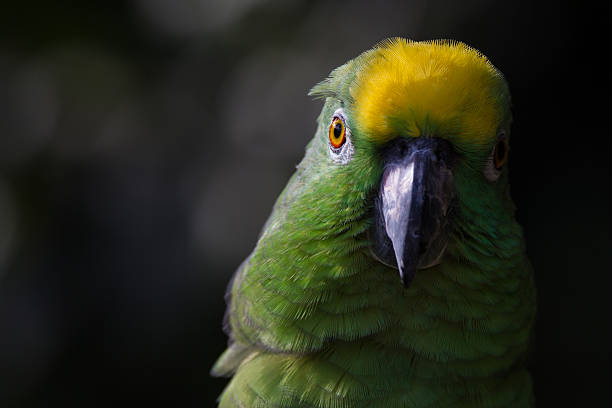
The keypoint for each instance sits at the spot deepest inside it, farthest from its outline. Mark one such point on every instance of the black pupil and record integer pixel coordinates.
(337, 129)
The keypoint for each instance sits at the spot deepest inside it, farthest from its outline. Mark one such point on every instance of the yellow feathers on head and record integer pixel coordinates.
(434, 88)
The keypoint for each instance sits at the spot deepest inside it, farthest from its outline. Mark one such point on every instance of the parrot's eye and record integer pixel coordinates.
(500, 153)
(340, 146)
(497, 158)
(337, 133)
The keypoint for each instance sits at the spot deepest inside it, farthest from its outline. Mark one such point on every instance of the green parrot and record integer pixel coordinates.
(391, 272)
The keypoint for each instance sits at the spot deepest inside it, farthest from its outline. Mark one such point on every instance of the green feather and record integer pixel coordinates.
(317, 321)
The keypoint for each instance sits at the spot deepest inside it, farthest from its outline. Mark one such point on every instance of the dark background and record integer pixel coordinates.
(143, 143)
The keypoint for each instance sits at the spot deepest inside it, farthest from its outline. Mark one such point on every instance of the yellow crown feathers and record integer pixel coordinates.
(435, 88)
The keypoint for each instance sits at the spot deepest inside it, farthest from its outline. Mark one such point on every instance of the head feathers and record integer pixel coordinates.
(412, 89)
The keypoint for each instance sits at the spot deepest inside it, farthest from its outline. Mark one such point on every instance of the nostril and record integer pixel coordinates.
(403, 148)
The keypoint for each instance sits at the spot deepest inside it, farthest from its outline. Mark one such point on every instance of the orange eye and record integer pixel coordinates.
(500, 154)
(337, 133)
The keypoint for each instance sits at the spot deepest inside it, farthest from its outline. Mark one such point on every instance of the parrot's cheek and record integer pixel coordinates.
(414, 205)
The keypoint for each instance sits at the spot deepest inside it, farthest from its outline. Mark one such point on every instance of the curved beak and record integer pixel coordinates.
(415, 196)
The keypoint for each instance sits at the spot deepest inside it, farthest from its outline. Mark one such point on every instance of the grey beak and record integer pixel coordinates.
(414, 199)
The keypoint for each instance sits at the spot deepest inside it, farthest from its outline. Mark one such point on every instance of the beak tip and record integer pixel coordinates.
(406, 276)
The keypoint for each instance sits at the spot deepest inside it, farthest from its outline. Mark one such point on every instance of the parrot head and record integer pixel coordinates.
(413, 140)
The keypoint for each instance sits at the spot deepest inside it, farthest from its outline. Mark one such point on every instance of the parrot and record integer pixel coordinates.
(392, 271)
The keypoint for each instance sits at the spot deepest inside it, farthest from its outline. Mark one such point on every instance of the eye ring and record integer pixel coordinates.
(500, 152)
(497, 158)
(340, 145)
(337, 132)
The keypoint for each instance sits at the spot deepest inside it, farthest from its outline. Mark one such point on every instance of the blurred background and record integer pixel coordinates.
(141, 152)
